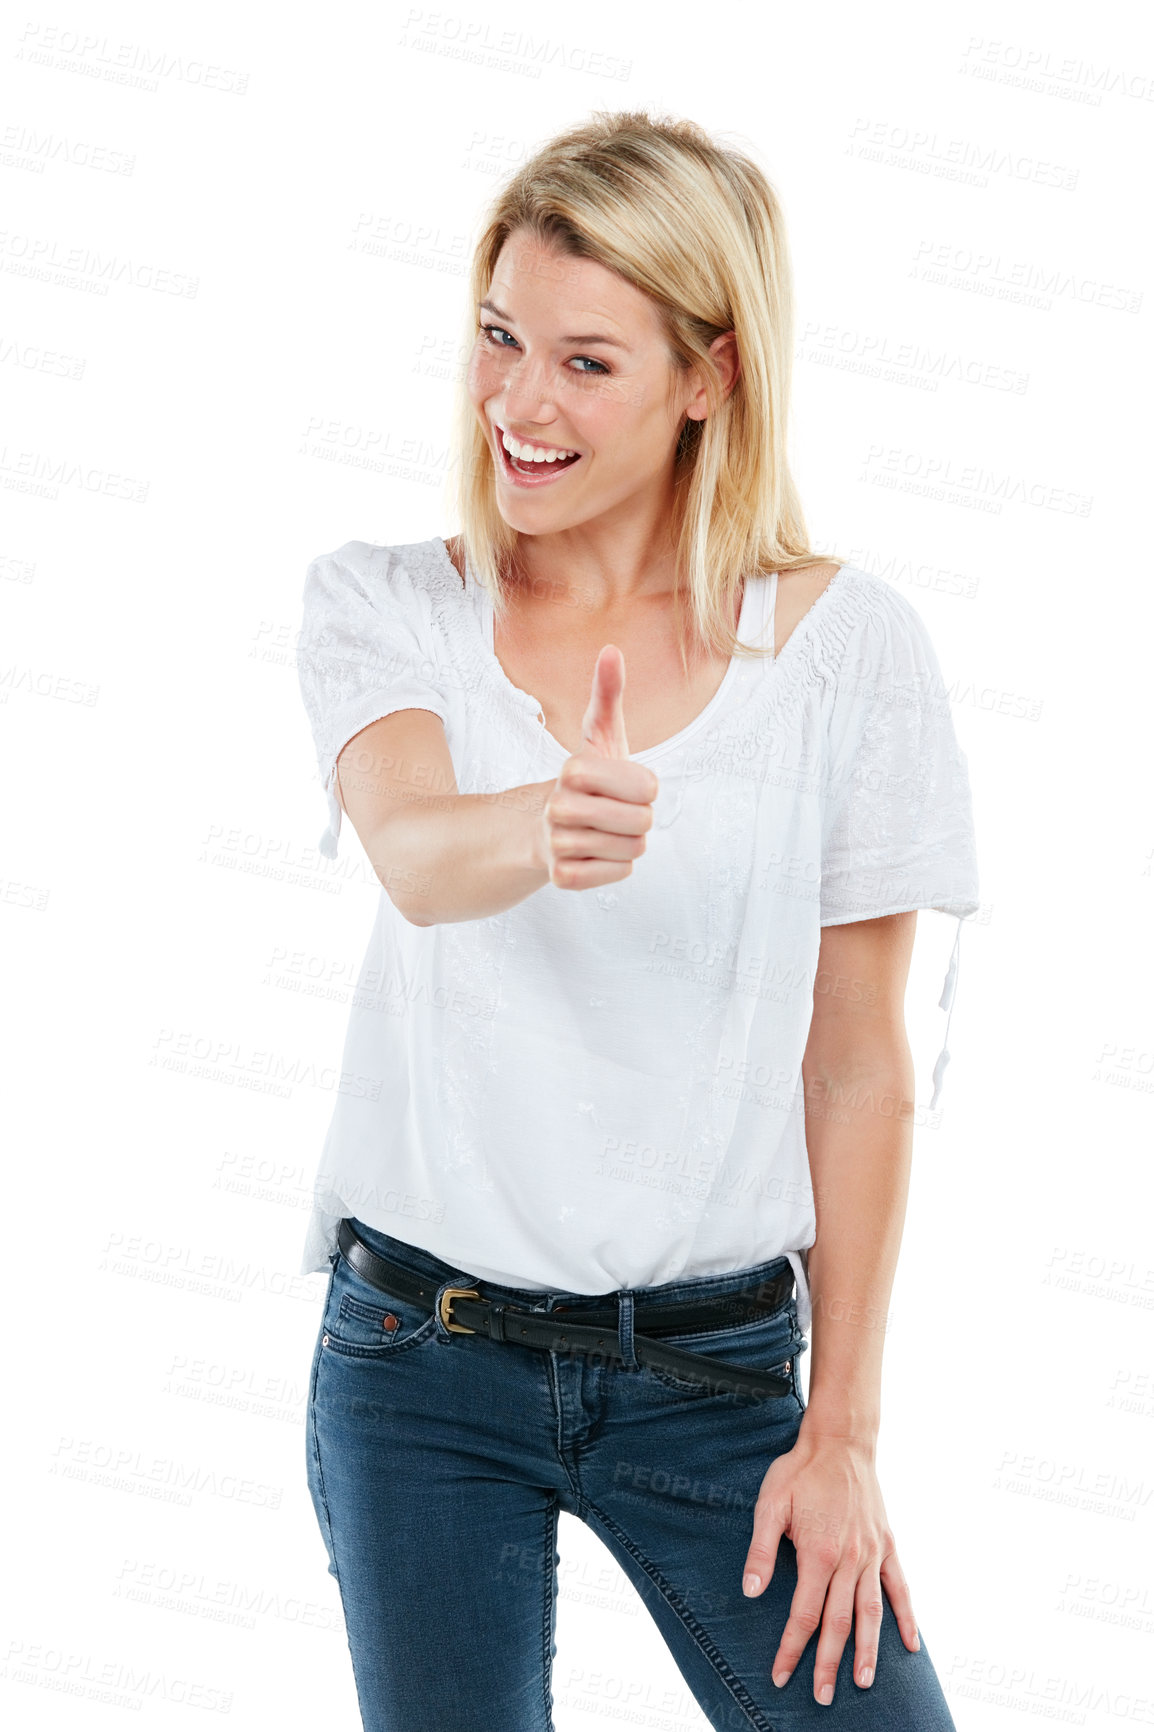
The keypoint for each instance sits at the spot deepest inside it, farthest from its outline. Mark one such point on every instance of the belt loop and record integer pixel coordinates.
(457, 1281)
(625, 1330)
(439, 1329)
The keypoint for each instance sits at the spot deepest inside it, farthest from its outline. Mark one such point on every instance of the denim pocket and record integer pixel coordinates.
(770, 1344)
(361, 1322)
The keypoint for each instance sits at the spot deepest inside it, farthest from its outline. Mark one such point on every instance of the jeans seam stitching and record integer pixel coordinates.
(571, 1473)
(716, 1659)
(316, 1449)
(546, 1623)
(357, 1350)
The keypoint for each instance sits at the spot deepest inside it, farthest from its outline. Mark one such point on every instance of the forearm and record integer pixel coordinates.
(859, 1135)
(462, 856)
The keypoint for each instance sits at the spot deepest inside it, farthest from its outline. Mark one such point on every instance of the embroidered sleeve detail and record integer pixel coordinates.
(898, 824)
(363, 653)
(897, 832)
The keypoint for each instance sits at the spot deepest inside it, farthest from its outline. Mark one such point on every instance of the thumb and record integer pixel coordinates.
(603, 726)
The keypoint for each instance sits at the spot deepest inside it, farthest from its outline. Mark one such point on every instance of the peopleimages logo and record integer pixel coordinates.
(948, 265)
(921, 149)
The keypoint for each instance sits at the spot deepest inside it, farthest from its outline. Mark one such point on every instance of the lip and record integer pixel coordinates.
(514, 479)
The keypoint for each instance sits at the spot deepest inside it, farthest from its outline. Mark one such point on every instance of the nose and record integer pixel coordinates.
(526, 398)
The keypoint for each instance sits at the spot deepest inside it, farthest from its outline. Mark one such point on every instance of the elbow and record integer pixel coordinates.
(400, 879)
(411, 911)
(857, 1080)
(412, 917)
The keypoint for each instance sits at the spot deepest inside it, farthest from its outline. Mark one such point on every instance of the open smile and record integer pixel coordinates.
(521, 474)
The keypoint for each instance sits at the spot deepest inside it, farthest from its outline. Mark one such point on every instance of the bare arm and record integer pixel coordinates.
(824, 1493)
(441, 855)
(444, 856)
(859, 1088)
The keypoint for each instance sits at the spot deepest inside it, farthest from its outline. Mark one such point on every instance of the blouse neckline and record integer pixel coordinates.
(758, 603)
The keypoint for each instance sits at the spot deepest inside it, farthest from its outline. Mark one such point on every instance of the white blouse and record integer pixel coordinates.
(602, 1088)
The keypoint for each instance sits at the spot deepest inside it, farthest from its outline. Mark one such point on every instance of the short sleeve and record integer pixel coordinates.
(897, 831)
(362, 654)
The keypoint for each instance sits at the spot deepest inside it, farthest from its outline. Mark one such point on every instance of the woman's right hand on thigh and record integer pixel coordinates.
(594, 823)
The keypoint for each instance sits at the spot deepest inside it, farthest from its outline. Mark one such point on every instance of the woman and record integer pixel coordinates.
(654, 794)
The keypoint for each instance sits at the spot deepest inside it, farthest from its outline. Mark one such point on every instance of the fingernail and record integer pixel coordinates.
(751, 1583)
(780, 1678)
(917, 1641)
(825, 1695)
(867, 1678)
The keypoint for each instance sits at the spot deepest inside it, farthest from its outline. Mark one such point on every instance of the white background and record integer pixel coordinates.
(232, 257)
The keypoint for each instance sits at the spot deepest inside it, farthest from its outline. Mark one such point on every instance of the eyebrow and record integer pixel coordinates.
(613, 342)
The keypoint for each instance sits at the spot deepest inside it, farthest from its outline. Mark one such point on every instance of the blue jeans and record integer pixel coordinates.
(438, 1464)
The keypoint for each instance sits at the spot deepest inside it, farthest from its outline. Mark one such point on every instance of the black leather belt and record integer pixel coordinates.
(465, 1312)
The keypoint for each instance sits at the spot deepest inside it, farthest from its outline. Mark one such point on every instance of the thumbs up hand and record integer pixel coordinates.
(595, 820)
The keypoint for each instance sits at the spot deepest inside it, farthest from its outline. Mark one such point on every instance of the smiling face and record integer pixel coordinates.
(570, 358)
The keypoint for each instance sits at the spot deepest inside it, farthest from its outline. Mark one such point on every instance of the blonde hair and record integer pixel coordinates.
(697, 227)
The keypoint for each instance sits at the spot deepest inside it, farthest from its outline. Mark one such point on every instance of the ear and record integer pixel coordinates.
(727, 361)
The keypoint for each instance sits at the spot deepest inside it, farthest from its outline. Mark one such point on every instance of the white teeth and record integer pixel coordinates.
(531, 453)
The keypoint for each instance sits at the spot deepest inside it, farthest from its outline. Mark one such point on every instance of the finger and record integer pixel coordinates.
(868, 1612)
(771, 1518)
(581, 844)
(603, 725)
(898, 1589)
(815, 1569)
(587, 874)
(590, 772)
(575, 811)
(836, 1628)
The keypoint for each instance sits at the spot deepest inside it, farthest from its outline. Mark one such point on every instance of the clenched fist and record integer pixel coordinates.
(595, 820)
